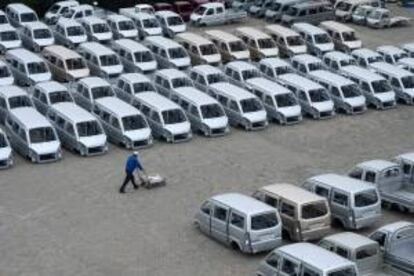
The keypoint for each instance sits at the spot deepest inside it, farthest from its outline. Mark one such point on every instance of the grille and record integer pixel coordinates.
(95, 150)
(47, 157)
(141, 143)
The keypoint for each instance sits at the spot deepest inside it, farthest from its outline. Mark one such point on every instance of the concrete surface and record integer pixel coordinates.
(67, 218)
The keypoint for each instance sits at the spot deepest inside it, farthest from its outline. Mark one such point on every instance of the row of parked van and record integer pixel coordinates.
(257, 223)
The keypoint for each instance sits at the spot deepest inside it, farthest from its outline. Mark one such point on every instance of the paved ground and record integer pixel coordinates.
(67, 219)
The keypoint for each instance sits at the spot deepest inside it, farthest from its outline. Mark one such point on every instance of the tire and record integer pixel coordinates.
(235, 246)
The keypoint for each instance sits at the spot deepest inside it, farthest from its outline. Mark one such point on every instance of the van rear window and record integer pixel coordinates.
(264, 221)
(366, 198)
(314, 210)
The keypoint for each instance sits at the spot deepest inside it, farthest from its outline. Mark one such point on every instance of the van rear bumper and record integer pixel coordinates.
(315, 234)
(266, 245)
(366, 222)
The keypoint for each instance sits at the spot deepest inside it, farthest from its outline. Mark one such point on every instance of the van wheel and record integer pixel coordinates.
(403, 209)
(286, 235)
(386, 205)
(338, 223)
(235, 246)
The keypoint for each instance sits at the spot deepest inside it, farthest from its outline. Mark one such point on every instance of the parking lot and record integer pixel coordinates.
(68, 218)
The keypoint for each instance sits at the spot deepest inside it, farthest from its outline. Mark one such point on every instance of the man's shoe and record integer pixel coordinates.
(136, 187)
(121, 191)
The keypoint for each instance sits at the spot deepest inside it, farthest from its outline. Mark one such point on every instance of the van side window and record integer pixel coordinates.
(220, 213)
(322, 191)
(309, 272)
(115, 122)
(366, 253)
(270, 201)
(193, 76)
(43, 98)
(69, 128)
(145, 110)
(365, 86)
(258, 93)
(395, 82)
(302, 68)
(342, 252)
(406, 167)
(273, 260)
(219, 10)
(205, 208)
(302, 96)
(234, 106)
(184, 104)
(194, 111)
(335, 92)
(290, 268)
(370, 176)
(22, 135)
(155, 117)
(3, 103)
(105, 116)
(269, 101)
(340, 198)
(287, 209)
(222, 100)
(388, 59)
(60, 122)
(237, 220)
(379, 237)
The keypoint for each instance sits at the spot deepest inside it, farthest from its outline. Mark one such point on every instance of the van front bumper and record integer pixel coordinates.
(6, 163)
(48, 157)
(365, 222)
(99, 150)
(266, 245)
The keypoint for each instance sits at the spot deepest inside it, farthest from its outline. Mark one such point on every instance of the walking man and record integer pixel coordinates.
(132, 164)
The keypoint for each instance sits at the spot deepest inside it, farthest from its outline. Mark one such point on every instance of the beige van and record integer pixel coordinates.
(230, 46)
(304, 215)
(65, 64)
(290, 43)
(260, 44)
(343, 36)
(200, 49)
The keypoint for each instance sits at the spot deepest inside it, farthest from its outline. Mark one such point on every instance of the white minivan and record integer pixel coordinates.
(205, 75)
(6, 76)
(239, 72)
(9, 38)
(392, 54)
(48, 93)
(317, 40)
(20, 14)
(27, 67)
(12, 97)
(130, 84)
(167, 80)
(32, 135)
(290, 42)
(36, 35)
(273, 68)
(6, 155)
(122, 26)
(200, 49)
(57, 9)
(230, 46)
(146, 23)
(69, 33)
(171, 23)
(97, 29)
(260, 44)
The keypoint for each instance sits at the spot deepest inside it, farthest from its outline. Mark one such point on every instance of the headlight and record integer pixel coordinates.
(246, 122)
(59, 153)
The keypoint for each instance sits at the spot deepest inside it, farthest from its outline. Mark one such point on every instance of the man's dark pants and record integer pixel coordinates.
(129, 177)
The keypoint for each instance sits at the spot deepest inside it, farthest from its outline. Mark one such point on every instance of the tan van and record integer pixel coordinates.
(230, 47)
(65, 64)
(260, 44)
(304, 215)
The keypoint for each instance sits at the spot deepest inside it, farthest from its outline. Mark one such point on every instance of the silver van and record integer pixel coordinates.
(305, 216)
(79, 12)
(97, 29)
(48, 93)
(89, 89)
(205, 75)
(345, 94)
(239, 72)
(124, 124)
(27, 67)
(6, 76)
(146, 23)
(6, 154)
(78, 130)
(355, 204)
(305, 259)
(36, 35)
(313, 98)
(242, 107)
(167, 80)
(260, 44)
(32, 136)
(312, 12)
(317, 40)
(230, 46)
(280, 103)
(392, 54)
(364, 57)
(58, 9)
(12, 97)
(20, 14)
(273, 68)
(344, 37)
(166, 119)
(101, 60)
(200, 49)
(69, 33)
(241, 222)
(130, 84)
(305, 64)
(122, 27)
(134, 56)
(9, 38)
(171, 23)
(336, 60)
(289, 42)
(279, 7)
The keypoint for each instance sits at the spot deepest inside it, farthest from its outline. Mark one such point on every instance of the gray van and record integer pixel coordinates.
(48, 93)
(12, 97)
(312, 12)
(241, 222)
(279, 7)
(130, 84)
(355, 204)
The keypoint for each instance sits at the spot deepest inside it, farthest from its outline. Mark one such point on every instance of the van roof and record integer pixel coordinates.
(134, 77)
(162, 42)
(73, 112)
(342, 182)
(271, 87)
(65, 22)
(390, 69)
(243, 203)
(362, 73)
(337, 55)
(68, 3)
(171, 73)
(377, 165)
(392, 227)
(206, 69)
(6, 28)
(20, 8)
(307, 28)
(240, 65)
(30, 117)
(62, 52)
(118, 17)
(253, 32)
(131, 45)
(96, 48)
(390, 49)
(90, 20)
(157, 101)
(407, 156)
(94, 82)
(292, 193)
(35, 25)
(167, 13)
(51, 86)
(306, 58)
(117, 106)
(195, 96)
(232, 91)
(296, 79)
(407, 61)
(212, 5)
(315, 255)
(330, 77)
(311, 3)
(141, 15)
(350, 240)
(221, 35)
(82, 7)
(333, 25)
(193, 38)
(365, 52)
(275, 62)
(11, 91)
(281, 30)
(24, 55)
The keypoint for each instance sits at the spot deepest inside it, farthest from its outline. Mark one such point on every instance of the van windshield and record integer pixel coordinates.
(177, 53)
(75, 64)
(318, 95)
(251, 105)
(349, 36)
(8, 36)
(294, 40)
(366, 198)
(399, 56)
(215, 78)
(100, 28)
(350, 271)
(283, 70)
(350, 91)
(181, 82)
(37, 68)
(109, 60)
(28, 17)
(173, 116)
(210, 111)
(208, 49)
(145, 56)
(249, 74)
(346, 62)
(150, 23)
(314, 210)
(60, 97)
(42, 34)
(408, 81)
(315, 66)
(285, 100)
(3, 142)
(75, 31)
(126, 25)
(143, 87)
(3, 19)
(174, 21)
(19, 101)
(322, 38)
(200, 10)
(237, 46)
(343, 6)
(42, 135)
(381, 86)
(375, 58)
(88, 128)
(264, 221)
(375, 14)
(292, 11)
(133, 122)
(4, 72)
(101, 92)
(266, 43)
